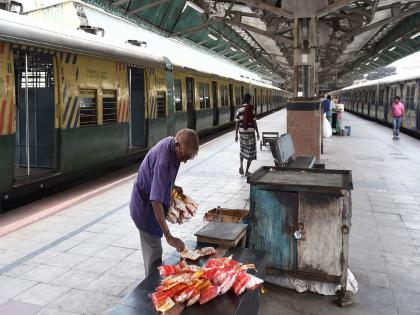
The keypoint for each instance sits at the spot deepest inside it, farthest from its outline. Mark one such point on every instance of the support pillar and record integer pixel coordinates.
(304, 110)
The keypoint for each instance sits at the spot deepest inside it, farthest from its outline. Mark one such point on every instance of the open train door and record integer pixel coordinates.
(215, 97)
(138, 125)
(35, 151)
(190, 103)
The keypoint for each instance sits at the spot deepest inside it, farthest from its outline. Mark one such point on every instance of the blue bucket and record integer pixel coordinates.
(348, 129)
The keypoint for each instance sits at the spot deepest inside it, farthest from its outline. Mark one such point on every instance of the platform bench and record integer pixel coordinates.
(284, 155)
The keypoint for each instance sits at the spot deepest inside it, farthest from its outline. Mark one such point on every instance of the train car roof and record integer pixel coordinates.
(28, 31)
(387, 80)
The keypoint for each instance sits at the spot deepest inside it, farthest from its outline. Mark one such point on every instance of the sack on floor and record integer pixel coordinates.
(326, 127)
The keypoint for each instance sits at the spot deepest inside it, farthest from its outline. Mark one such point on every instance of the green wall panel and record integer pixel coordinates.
(7, 161)
(157, 130)
(204, 119)
(87, 146)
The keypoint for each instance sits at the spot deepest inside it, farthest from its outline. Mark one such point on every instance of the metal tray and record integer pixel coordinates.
(320, 180)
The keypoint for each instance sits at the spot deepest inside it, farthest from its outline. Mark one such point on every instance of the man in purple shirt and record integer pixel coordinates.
(151, 195)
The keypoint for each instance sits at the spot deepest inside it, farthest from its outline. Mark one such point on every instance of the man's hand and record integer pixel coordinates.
(175, 242)
(178, 189)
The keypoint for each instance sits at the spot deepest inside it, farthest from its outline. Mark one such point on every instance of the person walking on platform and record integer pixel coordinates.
(326, 107)
(151, 194)
(246, 125)
(397, 114)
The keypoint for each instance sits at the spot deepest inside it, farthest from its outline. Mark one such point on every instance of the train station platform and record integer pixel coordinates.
(78, 252)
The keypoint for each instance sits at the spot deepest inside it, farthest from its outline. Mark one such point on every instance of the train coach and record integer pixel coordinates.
(71, 102)
(373, 100)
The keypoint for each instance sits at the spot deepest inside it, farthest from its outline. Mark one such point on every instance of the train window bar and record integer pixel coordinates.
(161, 104)
(109, 101)
(88, 108)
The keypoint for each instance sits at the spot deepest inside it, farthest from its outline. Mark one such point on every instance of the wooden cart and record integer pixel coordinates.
(302, 218)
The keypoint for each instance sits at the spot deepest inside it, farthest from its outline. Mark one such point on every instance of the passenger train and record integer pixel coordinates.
(91, 104)
(373, 100)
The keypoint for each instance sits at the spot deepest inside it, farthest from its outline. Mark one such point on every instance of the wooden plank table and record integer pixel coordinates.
(138, 302)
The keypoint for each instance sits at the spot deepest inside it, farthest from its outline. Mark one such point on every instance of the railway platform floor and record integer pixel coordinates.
(78, 252)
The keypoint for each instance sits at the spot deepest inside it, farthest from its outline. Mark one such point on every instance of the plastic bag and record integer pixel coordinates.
(326, 127)
(323, 288)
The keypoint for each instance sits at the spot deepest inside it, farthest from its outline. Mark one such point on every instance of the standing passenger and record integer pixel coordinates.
(152, 192)
(326, 107)
(246, 124)
(397, 114)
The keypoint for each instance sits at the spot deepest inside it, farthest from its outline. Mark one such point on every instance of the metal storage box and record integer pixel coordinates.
(302, 218)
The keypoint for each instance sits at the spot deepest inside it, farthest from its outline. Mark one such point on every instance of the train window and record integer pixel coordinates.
(410, 97)
(109, 101)
(407, 97)
(88, 108)
(237, 96)
(178, 95)
(161, 104)
(225, 95)
(204, 94)
(40, 70)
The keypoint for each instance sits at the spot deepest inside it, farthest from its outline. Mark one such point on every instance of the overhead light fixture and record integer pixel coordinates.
(392, 48)
(367, 63)
(212, 36)
(233, 48)
(225, 39)
(193, 6)
(250, 60)
(415, 35)
(376, 59)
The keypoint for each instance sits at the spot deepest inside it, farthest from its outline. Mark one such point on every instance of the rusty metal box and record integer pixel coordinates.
(302, 218)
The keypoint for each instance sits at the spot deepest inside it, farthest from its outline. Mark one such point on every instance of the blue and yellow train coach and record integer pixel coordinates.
(72, 102)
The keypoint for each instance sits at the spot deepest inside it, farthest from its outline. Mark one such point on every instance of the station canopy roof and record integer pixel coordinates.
(354, 36)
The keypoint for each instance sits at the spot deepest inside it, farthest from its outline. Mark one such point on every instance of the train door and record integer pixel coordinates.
(35, 151)
(215, 97)
(138, 129)
(231, 103)
(190, 103)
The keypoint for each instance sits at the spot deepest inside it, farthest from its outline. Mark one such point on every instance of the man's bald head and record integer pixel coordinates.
(188, 144)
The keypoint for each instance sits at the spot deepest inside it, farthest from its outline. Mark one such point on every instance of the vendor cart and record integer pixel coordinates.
(302, 218)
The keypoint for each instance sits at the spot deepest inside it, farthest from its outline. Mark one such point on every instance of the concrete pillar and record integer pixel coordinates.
(304, 110)
(303, 124)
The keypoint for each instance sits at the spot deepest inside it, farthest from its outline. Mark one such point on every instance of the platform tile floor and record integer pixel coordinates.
(85, 256)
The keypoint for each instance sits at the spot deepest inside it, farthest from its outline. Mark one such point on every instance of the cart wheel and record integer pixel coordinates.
(261, 145)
